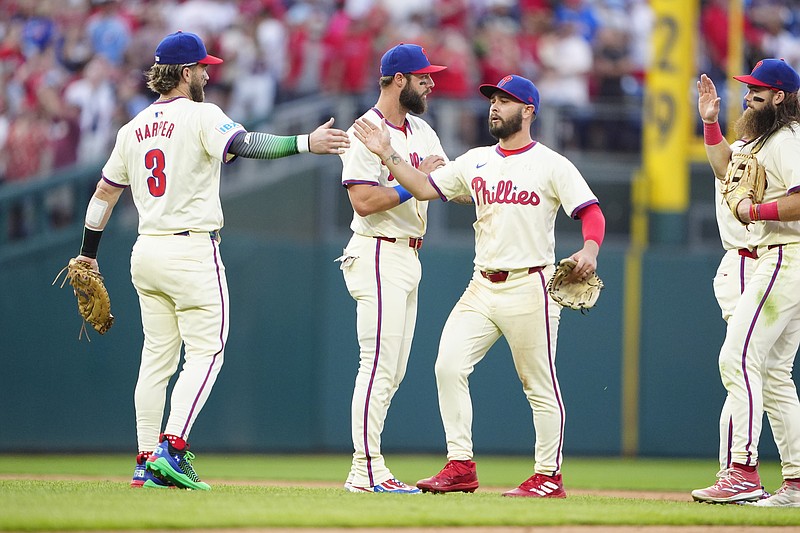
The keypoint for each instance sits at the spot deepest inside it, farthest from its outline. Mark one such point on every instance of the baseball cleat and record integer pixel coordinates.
(169, 463)
(786, 496)
(392, 485)
(142, 477)
(456, 476)
(539, 486)
(736, 485)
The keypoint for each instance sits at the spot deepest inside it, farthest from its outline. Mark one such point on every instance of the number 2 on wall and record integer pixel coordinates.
(157, 181)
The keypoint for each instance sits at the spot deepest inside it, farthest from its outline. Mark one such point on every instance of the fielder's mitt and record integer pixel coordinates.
(580, 295)
(745, 178)
(94, 305)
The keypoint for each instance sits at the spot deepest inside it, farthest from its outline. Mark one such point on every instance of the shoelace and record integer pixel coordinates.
(185, 463)
(454, 468)
(733, 478)
(536, 481)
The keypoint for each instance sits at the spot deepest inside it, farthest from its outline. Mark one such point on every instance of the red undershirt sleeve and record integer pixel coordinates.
(593, 223)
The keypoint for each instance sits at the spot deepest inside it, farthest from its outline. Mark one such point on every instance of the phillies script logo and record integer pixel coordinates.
(505, 193)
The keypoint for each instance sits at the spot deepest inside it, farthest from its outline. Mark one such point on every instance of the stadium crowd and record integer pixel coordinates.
(71, 71)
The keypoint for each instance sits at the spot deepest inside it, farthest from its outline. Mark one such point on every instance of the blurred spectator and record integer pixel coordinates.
(109, 32)
(452, 14)
(252, 84)
(306, 23)
(38, 27)
(566, 62)
(535, 22)
(497, 49)
(207, 18)
(347, 53)
(27, 154)
(73, 48)
(95, 97)
(714, 36)
(777, 41)
(580, 13)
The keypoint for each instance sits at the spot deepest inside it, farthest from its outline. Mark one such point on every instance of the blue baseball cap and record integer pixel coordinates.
(183, 48)
(407, 59)
(518, 87)
(773, 73)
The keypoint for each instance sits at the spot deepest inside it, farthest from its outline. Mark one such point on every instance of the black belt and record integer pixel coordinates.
(499, 276)
(214, 234)
(413, 242)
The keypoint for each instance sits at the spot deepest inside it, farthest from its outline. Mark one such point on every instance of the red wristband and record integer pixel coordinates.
(768, 211)
(754, 212)
(712, 134)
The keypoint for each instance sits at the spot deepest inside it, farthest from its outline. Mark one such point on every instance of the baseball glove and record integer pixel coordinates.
(94, 304)
(579, 295)
(745, 178)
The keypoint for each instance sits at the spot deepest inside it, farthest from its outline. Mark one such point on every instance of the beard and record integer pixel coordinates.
(413, 101)
(755, 123)
(506, 128)
(196, 90)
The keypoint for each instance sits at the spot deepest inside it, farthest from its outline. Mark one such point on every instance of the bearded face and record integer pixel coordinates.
(755, 122)
(504, 128)
(196, 85)
(413, 101)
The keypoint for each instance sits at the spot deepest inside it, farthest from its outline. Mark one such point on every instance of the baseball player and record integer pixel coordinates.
(737, 263)
(517, 186)
(380, 264)
(763, 330)
(169, 155)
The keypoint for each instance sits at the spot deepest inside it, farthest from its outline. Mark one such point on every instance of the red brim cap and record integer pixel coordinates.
(750, 80)
(210, 60)
(430, 69)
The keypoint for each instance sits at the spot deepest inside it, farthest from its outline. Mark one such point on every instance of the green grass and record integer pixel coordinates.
(38, 494)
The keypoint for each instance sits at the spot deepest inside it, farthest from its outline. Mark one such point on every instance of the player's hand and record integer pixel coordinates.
(376, 139)
(708, 103)
(327, 140)
(743, 210)
(585, 262)
(92, 262)
(431, 163)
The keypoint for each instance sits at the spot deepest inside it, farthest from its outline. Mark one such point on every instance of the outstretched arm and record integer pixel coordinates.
(258, 145)
(377, 140)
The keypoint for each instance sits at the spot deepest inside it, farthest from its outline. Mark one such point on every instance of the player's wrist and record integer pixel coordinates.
(403, 193)
(768, 211)
(712, 134)
(91, 242)
(303, 143)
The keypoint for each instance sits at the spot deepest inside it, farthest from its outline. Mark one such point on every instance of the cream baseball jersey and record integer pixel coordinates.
(517, 195)
(415, 141)
(174, 179)
(780, 156)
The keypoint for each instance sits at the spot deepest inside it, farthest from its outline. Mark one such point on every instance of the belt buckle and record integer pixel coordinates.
(498, 276)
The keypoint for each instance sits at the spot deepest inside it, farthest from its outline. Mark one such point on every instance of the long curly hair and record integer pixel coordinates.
(787, 114)
(162, 79)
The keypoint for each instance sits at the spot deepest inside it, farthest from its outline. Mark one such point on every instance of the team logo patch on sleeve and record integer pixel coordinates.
(228, 126)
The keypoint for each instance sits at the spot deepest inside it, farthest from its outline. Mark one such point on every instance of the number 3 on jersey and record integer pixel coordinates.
(157, 181)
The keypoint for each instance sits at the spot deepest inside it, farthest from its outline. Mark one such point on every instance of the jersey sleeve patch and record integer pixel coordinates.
(227, 127)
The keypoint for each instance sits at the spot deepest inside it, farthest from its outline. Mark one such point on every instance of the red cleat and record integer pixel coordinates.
(456, 476)
(539, 486)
